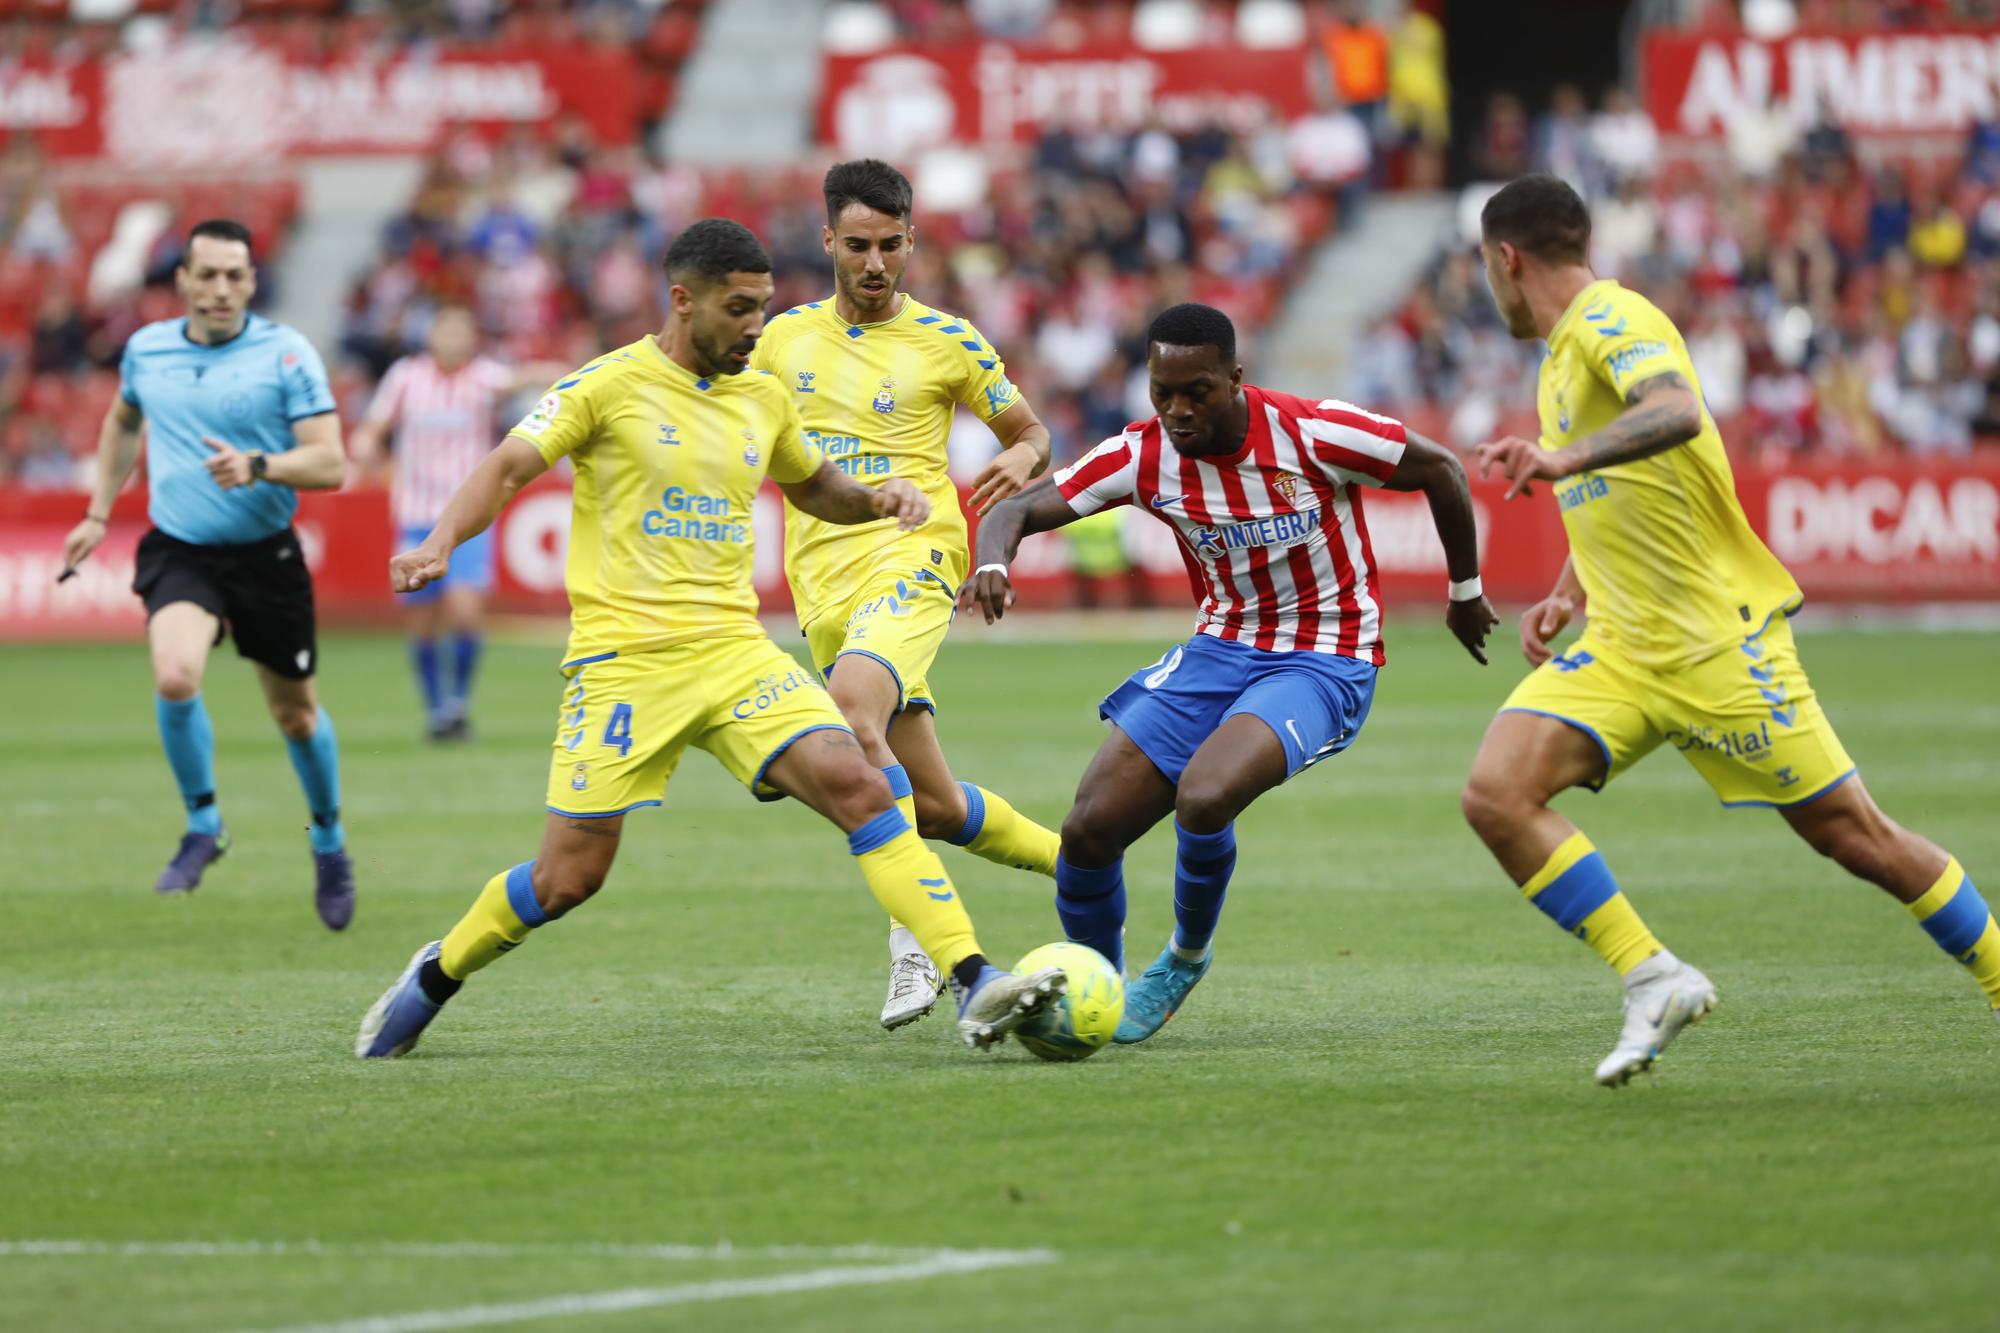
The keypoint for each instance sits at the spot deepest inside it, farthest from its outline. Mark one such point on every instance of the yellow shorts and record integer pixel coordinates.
(1747, 718)
(626, 720)
(898, 615)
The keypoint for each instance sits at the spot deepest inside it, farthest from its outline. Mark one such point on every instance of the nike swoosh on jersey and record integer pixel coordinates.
(1162, 501)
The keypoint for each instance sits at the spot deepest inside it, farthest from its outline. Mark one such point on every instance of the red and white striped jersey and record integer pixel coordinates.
(1273, 537)
(444, 425)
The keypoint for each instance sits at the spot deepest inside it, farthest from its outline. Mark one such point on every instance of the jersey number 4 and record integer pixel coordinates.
(618, 729)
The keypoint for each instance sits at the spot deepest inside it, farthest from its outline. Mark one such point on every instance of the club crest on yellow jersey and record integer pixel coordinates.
(885, 401)
(750, 454)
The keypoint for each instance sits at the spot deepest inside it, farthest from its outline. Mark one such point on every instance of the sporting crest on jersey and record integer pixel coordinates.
(1287, 485)
(885, 401)
(750, 454)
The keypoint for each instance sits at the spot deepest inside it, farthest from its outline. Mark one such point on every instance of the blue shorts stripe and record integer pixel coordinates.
(1807, 799)
(775, 755)
(586, 661)
(599, 814)
(1577, 892)
(880, 831)
(521, 895)
(1583, 727)
(1958, 925)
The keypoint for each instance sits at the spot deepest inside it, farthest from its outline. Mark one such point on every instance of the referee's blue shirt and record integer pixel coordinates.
(246, 392)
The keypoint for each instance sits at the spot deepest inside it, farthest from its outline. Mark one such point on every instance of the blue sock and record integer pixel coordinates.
(189, 738)
(424, 653)
(317, 762)
(464, 658)
(1201, 879)
(1091, 903)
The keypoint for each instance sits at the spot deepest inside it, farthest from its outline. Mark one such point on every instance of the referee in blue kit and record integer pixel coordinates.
(239, 419)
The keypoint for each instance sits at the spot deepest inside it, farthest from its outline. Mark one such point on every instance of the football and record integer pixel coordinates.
(1083, 1021)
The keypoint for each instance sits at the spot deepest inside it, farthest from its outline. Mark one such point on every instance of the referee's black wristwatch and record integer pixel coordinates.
(260, 463)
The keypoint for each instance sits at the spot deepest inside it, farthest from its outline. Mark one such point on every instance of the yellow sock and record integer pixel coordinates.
(1000, 833)
(909, 881)
(906, 801)
(1957, 918)
(1574, 888)
(499, 919)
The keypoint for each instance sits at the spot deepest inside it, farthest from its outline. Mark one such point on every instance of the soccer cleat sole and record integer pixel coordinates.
(904, 1017)
(371, 1022)
(1042, 991)
(1624, 1073)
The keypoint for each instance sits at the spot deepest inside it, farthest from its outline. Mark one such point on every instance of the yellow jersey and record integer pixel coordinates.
(1671, 568)
(667, 467)
(877, 401)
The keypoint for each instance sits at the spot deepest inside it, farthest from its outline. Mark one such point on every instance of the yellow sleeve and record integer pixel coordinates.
(983, 385)
(563, 419)
(1629, 340)
(793, 458)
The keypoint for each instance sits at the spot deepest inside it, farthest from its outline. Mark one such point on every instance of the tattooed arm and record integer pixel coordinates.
(1661, 411)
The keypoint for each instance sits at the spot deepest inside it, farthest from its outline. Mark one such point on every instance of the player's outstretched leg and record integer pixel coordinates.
(1846, 825)
(315, 755)
(180, 635)
(1524, 761)
(828, 771)
(575, 857)
(947, 810)
(963, 813)
(1241, 761)
(1121, 795)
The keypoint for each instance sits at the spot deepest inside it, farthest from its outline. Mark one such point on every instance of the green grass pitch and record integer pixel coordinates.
(1376, 1113)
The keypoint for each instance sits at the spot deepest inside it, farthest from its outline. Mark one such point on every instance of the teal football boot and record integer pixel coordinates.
(1158, 994)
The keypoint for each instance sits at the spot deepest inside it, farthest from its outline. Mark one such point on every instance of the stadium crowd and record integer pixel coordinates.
(1076, 245)
(1829, 303)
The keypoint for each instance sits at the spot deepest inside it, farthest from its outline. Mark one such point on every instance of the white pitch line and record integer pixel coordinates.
(471, 1249)
(647, 1298)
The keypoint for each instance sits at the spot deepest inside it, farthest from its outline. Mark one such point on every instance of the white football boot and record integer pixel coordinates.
(998, 1002)
(914, 981)
(1662, 996)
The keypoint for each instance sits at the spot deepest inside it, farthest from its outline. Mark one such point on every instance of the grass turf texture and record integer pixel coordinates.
(1376, 1112)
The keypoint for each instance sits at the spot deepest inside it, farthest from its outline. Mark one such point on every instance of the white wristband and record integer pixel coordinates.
(1466, 590)
(1001, 570)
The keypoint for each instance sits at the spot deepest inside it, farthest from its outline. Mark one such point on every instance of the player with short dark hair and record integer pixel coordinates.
(238, 419)
(1262, 491)
(1688, 641)
(876, 375)
(671, 441)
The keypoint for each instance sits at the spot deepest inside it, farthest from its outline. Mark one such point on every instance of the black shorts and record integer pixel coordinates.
(261, 592)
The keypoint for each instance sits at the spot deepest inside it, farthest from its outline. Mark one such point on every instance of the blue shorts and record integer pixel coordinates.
(471, 566)
(1314, 703)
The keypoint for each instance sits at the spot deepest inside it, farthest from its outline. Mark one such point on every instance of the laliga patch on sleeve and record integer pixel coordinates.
(544, 413)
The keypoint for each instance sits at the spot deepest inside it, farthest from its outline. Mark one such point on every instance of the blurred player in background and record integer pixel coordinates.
(439, 407)
(238, 419)
(1260, 488)
(1688, 642)
(876, 374)
(671, 440)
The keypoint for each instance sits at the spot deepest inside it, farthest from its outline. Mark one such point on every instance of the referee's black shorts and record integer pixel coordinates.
(260, 591)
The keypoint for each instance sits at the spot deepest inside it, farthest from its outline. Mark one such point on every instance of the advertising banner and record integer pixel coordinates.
(892, 102)
(197, 106)
(1905, 83)
(1897, 532)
